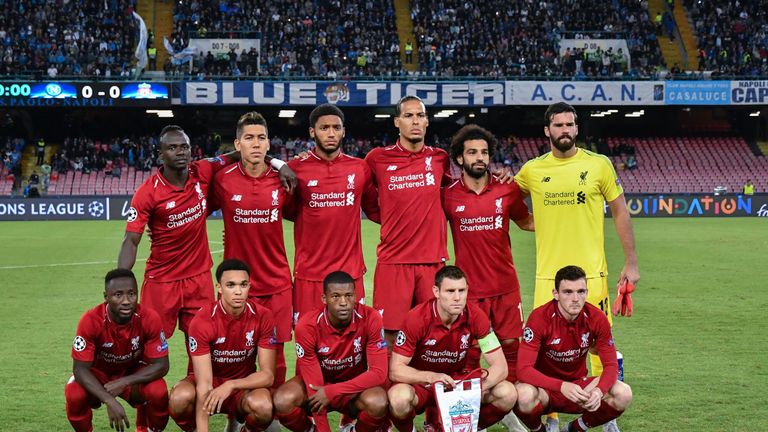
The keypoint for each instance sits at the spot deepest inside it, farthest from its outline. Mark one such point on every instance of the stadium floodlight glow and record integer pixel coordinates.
(635, 114)
(471, 115)
(287, 114)
(597, 114)
(612, 111)
(382, 116)
(166, 113)
(446, 113)
(755, 114)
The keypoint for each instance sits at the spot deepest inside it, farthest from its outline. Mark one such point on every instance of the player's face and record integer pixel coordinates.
(571, 297)
(340, 300)
(451, 295)
(253, 144)
(562, 131)
(121, 295)
(175, 150)
(475, 158)
(233, 289)
(328, 133)
(412, 121)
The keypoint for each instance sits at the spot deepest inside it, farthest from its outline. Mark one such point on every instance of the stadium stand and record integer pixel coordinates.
(70, 38)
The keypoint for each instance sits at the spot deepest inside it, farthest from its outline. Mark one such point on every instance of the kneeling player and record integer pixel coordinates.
(432, 347)
(225, 340)
(119, 350)
(341, 362)
(551, 364)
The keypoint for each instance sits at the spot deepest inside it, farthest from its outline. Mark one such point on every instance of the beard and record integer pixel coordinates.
(327, 149)
(474, 171)
(563, 143)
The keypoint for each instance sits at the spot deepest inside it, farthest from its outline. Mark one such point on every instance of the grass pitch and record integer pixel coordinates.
(694, 350)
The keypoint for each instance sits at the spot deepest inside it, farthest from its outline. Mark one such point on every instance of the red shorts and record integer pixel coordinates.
(231, 404)
(505, 312)
(280, 305)
(399, 287)
(307, 296)
(103, 378)
(179, 299)
(561, 404)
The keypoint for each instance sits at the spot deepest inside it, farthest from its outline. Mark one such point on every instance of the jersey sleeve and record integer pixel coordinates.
(533, 334)
(521, 179)
(376, 354)
(519, 209)
(156, 346)
(610, 186)
(142, 205)
(607, 352)
(412, 331)
(200, 335)
(482, 331)
(307, 363)
(370, 160)
(446, 164)
(207, 168)
(84, 345)
(370, 200)
(215, 193)
(267, 330)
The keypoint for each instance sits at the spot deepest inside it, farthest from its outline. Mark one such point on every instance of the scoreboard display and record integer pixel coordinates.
(84, 94)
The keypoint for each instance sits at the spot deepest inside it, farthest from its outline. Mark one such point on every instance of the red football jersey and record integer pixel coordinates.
(253, 226)
(554, 349)
(346, 361)
(480, 230)
(329, 198)
(176, 217)
(118, 349)
(232, 342)
(434, 347)
(413, 226)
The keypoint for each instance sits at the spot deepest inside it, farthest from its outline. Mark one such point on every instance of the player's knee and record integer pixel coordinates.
(374, 401)
(504, 395)
(400, 400)
(155, 391)
(76, 397)
(259, 405)
(285, 400)
(621, 395)
(182, 398)
(527, 397)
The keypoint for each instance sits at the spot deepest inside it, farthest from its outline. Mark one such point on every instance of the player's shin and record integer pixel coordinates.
(78, 409)
(490, 414)
(369, 423)
(155, 410)
(603, 415)
(280, 367)
(404, 424)
(532, 419)
(295, 420)
(510, 355)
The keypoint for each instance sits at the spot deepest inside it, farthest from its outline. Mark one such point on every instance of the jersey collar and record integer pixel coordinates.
(246, 175)
(403, 149)
(491, 180)
(352, 327)
(439, 321)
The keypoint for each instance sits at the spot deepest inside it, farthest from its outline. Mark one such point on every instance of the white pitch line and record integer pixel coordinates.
(73, 264)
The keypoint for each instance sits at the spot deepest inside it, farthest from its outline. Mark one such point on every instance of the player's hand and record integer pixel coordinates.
(216, 398)
(630, 272)
(115, 387)
(288, 178)
(504, 175)
(593, 403)
(118, 420)
(574, 393)
(623, 303)
(318, 401)
(443, 378)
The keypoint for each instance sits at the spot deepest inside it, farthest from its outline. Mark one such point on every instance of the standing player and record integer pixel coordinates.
(408, 176)
(251, 201)
(225, 340)
(479, 208)
(119, 350)
(433, 345)
(568, 187)
(341, 362)
(332, 188)
(552, 362)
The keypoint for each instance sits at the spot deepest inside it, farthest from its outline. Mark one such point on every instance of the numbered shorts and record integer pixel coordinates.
(399, 287)
(597, 294)
(177, 300)
(560, 404)
(307, 296)
(280, 305)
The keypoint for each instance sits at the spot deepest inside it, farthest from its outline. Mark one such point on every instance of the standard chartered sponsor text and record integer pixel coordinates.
(185, 217)
(251, 215)
(559, 198)
(331, 199)
(480, 223)
(409, 181)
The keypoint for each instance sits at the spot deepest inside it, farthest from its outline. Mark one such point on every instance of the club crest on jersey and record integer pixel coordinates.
(358, 344)
(583, 178)
(464, 341)
(585, 340)
(79, 344)
(528, 334)
(249, 338)
(351, 181)
(135, 343)
(499, 205)
(199, 190)
(400, 339)
(274, 198)
(428, 163)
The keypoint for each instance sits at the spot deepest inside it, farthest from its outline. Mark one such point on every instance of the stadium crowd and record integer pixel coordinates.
(70, 38)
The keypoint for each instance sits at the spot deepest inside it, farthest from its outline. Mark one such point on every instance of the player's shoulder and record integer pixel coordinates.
(94, 316)
(436, 151)
(541, 313)
(596, 158)
(594, 314)
(539, 160)
(421, 313)
(310, 319)
(454, 187)
(367, 313)
(475, 314)
(255, 309)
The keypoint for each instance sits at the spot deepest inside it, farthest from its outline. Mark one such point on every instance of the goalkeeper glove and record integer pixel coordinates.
(623, 303)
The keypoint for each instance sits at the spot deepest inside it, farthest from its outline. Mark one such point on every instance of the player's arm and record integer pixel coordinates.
(83, 376)
(526, 359)
(400, 372)
(494, 356)
(370, 199)
(127, 257)
(263, 378)
(286, 174)
(607, 352)
(526, 223)
(623, 223)
(156, 369)
(201, 364)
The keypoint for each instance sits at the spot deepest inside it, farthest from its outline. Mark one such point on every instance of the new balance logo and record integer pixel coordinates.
(312, 183)
(220, 340)
(237, 197)
(170, 205)
(391, 167)
(546, 179)
(459, 209)
(554, 341)
(430, 342)
(324, 350)
(107, 345)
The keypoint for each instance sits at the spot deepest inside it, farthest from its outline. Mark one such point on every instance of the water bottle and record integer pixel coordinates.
(620, 359)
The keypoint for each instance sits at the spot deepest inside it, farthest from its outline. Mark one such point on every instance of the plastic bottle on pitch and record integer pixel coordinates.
(620, 359)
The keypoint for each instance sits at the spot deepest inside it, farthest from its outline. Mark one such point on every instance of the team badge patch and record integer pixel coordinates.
(299, 351)
(400, 339)
(192, 344)
(132, 214)
(78, 344)
(527, 334)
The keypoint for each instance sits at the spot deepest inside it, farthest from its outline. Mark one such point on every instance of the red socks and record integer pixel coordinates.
(295, 420)
(533, 419)
(603, 415)
(369, 423)
(490, 414)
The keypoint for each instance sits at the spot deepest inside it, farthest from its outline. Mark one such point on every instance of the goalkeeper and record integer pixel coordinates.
(568, 187)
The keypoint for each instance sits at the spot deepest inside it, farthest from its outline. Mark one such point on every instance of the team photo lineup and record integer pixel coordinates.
(432, 330)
